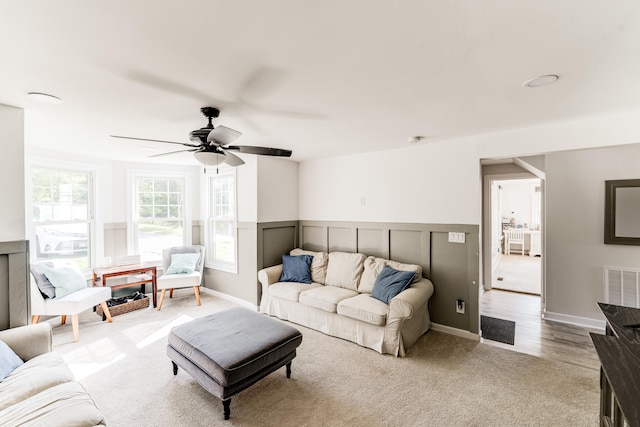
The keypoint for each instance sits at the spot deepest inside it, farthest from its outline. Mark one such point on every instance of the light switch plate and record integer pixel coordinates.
(456, 237)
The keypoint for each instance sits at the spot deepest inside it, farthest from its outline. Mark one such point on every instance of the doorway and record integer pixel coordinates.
(512, 271)
(516, 229)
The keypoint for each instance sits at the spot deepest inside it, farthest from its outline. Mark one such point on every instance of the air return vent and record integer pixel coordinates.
(622, 286)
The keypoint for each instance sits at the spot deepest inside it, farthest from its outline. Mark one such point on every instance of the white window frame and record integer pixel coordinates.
(132, 205)
(211, 261)
(95, 238)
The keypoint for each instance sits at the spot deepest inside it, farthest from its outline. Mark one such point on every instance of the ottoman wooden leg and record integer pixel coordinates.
(175, 368)
(289, 370)
(227, 408)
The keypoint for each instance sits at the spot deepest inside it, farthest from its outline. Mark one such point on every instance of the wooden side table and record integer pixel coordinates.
(100, 276)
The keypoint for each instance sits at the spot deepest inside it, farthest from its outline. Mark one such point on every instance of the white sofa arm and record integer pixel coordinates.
(29, 341)
(270, 275)
(407, 302)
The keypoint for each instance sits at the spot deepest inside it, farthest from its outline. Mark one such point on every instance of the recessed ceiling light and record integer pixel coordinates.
(45, 97)
(415, 139)
(541, 81)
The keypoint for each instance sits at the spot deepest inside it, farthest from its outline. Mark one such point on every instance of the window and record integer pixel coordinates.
(159, 216)
(62, 202)
(221, 234)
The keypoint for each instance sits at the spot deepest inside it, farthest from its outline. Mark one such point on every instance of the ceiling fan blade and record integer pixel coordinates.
(173, 152)
(263, 151)
(153, 140)
(231, 159)
(223, 135)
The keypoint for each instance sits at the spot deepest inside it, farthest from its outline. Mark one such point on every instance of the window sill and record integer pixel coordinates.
(221, 267)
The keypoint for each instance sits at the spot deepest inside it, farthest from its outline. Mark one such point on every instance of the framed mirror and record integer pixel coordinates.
(622, 212)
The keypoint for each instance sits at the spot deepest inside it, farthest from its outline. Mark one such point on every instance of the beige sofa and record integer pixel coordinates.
(338, 302)
(42, 391)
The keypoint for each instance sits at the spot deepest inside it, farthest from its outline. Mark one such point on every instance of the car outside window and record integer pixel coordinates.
(62, 215)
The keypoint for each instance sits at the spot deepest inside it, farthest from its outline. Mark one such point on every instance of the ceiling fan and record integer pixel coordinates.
(211, 145)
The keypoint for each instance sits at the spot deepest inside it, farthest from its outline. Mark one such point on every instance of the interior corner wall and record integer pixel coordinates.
(267, 190)
(12, 173)
(242, 285)
(277, 189)
(575, 250)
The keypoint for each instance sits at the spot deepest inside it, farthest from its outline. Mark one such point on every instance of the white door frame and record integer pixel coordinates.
(487, 267)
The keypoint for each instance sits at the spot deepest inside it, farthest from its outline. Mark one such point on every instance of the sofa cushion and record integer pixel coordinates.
(66, 404)
(364, 308)
(391, 282)
(373, 266)
(290, 290)
(296, 268)
(9, 361)
(344, 269)
(318, 265)
(35, 375)
(326, 297)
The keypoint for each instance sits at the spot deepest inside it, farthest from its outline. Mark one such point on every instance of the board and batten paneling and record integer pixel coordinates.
(274, 240)
(452, 267)
(15, 301)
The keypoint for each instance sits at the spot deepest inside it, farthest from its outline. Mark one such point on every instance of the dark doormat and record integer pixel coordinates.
(498, 329)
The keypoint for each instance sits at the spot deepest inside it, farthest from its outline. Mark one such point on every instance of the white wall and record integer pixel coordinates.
(429, 183)
(247, 176)
(277, 189)
(440, 182)
(516, 198)
(576, 251)
(12, 167)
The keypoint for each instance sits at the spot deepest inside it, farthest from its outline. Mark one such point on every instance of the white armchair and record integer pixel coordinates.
(71, 304)
(188, 279)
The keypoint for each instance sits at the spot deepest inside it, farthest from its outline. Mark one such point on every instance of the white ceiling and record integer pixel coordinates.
(319, 78)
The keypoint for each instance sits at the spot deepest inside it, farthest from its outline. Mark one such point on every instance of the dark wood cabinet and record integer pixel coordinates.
(619, 353)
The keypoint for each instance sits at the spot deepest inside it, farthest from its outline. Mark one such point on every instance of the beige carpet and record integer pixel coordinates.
(518, 273)
(443, 381)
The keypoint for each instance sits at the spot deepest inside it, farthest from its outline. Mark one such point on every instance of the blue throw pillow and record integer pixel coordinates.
(67, 279)
(8, 360)
(390, 282)
(296, 268)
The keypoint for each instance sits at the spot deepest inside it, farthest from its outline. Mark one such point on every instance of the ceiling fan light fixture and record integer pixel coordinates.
(541, 81)
(45, 97)
(209, 158)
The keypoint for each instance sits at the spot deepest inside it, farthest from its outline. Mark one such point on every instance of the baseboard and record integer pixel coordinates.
(585, 322)
(231, 298)
(454, 331)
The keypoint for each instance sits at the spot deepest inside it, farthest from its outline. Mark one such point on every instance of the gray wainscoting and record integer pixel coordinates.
(452, 267)
(15, 297)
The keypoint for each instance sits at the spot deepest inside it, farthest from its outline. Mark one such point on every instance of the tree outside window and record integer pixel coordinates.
(159, 215)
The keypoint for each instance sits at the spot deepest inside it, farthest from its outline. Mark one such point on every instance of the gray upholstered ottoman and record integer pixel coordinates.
(228, 351)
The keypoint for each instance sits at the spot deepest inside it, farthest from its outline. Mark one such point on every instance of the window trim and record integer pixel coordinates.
(132, 176)
(96, 237)
(210, 262)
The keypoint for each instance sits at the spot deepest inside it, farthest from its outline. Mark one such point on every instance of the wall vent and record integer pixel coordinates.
(622, 286)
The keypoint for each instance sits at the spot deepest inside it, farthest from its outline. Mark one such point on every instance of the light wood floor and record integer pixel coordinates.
(536, 336)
